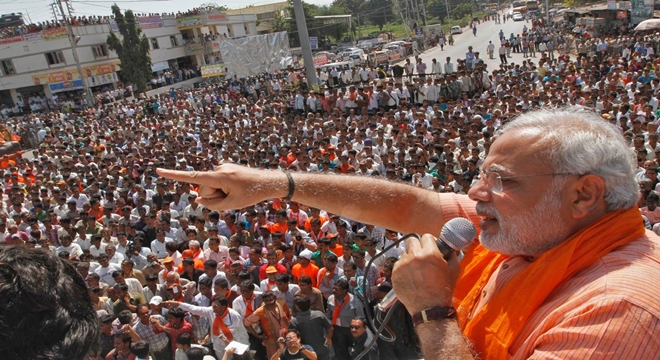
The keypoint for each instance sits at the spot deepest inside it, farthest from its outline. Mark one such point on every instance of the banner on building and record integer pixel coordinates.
(109, 68)
(169, 22)
(55, 77)
(213, 70)
(33, 37)
(54, 34)
(40, 79)
(11, 39)
(65, 86)
(189, 22)
(158, 66)
(150, 22)
(217, 16)
(611, 4)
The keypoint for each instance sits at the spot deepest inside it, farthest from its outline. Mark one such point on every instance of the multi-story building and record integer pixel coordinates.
(266, 14)
(41, 63)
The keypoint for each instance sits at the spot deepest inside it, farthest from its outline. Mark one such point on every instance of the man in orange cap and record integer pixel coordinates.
(188, 254)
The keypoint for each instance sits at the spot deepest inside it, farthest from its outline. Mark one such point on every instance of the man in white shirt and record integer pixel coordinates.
(114, 256)
(194, 208)
(230, 317)
(158, 245)
(74, 250)
(211, 271)
(449, 66)
(106, 269)
(215, 251)
(435, 68)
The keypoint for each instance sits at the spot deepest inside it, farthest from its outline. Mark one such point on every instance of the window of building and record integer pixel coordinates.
(55, 58)
(154, 44)
(7, 67)
(174, 41)
(266, 16)
(246, 29)
(100, 50)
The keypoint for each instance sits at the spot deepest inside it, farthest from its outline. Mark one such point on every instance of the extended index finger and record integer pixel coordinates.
(195, 177)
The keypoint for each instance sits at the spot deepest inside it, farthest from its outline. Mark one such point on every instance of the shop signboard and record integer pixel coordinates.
(65, 86)
(102, 79)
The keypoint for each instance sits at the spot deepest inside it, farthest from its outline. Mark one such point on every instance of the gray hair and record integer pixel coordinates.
(581, 142)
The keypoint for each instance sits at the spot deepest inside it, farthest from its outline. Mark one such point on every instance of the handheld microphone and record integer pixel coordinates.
(456, 235)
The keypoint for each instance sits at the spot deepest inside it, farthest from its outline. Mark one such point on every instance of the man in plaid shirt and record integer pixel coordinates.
(158, 340)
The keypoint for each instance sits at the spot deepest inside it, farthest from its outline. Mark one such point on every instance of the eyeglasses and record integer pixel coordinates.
(493, 180)
(356, 327)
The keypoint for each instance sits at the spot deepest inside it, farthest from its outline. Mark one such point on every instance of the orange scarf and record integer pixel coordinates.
(219, 325)
(196, 254)
(248, 306)
(498, 323)
(338, 308)
(270, 285)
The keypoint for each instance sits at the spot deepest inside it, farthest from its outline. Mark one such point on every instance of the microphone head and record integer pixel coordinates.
(458, 233)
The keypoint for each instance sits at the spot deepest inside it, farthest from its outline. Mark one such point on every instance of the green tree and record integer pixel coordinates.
(215, 6)
(461, 11)
(277, 23)
(437, 8)
(310, 10)
(336, 28)
(132, 49)
(380, 12)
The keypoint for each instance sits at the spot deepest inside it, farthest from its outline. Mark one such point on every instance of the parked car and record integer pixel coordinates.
(456, 30)
(518, 16)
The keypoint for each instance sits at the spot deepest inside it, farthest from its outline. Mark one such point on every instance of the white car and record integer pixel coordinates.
(518, 17)
(456, 30)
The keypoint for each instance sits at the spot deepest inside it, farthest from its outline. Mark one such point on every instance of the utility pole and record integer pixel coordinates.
(423, 13)
(72, 40)
(448, 13)
(305, 46)
(547, 12)
(54, 9)
(405, 22)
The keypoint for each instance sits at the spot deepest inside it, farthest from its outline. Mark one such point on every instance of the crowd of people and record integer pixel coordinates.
(30, 28)
(292, 281)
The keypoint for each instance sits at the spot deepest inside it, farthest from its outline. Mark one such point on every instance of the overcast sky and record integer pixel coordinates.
(40, 10)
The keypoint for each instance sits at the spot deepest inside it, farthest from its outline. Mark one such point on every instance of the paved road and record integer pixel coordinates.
(486, 32)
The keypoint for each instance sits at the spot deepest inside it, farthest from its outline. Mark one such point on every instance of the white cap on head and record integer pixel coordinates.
(307, 254)
(156, 300)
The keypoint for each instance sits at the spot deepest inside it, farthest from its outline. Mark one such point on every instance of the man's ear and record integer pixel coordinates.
(588, 196)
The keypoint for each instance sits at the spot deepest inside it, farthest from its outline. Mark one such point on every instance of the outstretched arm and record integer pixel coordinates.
(374, 201)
